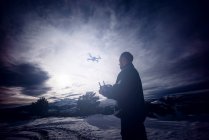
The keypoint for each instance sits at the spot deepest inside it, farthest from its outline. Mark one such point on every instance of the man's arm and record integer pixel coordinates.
(125, 84)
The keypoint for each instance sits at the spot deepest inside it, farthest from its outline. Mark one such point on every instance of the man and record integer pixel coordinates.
(128, 93)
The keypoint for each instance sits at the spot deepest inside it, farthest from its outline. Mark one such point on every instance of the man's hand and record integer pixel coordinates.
(102, 90)
(105, 90)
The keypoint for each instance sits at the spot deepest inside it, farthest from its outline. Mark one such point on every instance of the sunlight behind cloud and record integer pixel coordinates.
(63, 51)
(64, 56)
(70, 66)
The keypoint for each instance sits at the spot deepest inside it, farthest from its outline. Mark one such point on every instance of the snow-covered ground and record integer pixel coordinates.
(100, 127)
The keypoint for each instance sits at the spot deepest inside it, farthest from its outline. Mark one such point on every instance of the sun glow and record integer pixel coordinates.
(66, 59)
(63, 52)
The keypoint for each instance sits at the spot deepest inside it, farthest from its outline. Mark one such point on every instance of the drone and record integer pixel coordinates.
(93, 58)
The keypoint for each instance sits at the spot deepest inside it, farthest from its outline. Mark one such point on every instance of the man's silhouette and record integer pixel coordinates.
(128, 93)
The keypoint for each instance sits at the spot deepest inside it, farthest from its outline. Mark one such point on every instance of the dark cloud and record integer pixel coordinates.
(35, 90)
(27, 76)
(195, 64)
(6, 93)
(22, 75)
(195, 87)
(12, 96)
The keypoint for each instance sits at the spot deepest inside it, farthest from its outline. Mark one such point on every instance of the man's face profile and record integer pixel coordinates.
(123, 61)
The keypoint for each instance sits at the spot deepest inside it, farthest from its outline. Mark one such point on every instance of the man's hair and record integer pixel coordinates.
(128, 56)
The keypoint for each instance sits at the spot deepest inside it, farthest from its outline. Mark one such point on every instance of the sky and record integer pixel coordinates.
(45, 44)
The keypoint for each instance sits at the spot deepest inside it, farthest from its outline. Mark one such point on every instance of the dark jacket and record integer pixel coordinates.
(128, 93)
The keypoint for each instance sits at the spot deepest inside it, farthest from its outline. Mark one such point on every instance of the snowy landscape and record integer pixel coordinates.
(168, 118)
(101, 127)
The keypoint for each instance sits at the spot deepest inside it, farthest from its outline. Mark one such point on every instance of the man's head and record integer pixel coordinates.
(125, 58)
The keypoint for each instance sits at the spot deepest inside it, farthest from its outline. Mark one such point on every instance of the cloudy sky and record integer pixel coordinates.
(44, 46)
